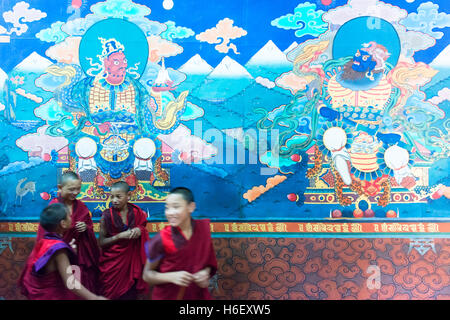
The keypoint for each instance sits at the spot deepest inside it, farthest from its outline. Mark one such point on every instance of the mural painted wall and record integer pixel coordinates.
(270, 111)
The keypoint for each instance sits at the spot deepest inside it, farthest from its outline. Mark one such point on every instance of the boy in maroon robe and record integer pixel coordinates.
(181, 258)
(81, 233)
(49, 270)
(122, 238)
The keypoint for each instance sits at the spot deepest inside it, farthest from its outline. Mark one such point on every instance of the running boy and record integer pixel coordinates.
(181, 258)
(49, 270)
(122, 238)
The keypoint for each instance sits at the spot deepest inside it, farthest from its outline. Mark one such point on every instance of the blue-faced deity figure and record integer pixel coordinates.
(359, 95)
(363, 62)
(355, 106)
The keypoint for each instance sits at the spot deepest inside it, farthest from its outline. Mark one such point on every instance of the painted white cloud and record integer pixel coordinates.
(77, 27)
(52, 34)
(192, 112)
(149, 27)
(427, 19)
(159, 48)
(412, 41)
(359, 8)
(265, 82)
(65, 51)
(41, 142)
(183, 141)
(19, 166)
(29, 95)
(443, 95)
(290, 81)
(20, 15)
(120, 9)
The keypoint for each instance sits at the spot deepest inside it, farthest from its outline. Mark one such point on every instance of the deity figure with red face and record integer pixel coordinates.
(115, 66)
(112, 92)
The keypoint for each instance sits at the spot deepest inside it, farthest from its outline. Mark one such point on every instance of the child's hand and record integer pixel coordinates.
(201, 278)
(73, 245)
(130, 234)
(182, 278)
(80, 226)
(135, 233)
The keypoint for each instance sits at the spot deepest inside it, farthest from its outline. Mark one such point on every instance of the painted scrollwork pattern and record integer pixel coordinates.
(308, 268)
(302, 269)
(12, 260)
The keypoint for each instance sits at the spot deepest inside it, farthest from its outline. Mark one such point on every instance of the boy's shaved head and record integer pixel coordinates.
(52, 215)
(68, 176)
(184, 192)
(122, 186)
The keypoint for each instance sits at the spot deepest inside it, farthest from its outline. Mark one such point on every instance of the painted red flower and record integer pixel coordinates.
(371, 188)
(408, 182)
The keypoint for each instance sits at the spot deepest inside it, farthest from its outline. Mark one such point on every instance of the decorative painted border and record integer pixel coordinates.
(327, 196)
(268, 228)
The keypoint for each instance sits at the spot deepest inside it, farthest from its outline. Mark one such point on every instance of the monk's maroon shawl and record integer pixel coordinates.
(121, 263)
(37, 285)
(194, 255)
(88, 251)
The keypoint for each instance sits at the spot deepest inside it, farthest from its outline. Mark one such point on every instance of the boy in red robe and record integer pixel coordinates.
(122, 238)
(81, 232)
(49, 270)
(181, 258)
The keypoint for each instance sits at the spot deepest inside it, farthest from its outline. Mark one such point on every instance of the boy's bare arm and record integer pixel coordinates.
(153, 277)
(103, 240)
(65, 270)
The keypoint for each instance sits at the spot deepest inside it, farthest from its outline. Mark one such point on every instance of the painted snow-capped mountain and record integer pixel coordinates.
(442, 61)
(229, 68)
(195, 69)
(269, 55)
(291, 47)
(226, 80)
(196, 66)
(269, 62)
(442, 64)
(3, 77)
(33, 63)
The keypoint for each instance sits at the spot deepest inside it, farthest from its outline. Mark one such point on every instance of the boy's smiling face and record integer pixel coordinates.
(178, 210)
(119, 198)
(70, 190)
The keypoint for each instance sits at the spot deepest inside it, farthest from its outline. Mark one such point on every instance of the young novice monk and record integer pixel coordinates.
(122, 238)
(48, 273)
(81, 232)
(181, 257)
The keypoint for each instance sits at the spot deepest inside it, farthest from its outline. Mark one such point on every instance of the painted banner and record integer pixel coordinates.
(297, 229)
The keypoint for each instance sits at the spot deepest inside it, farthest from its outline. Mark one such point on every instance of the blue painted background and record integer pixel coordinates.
(225, 103)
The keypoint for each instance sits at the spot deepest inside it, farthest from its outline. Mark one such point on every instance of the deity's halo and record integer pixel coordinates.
(125, 32)
(354, 33)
